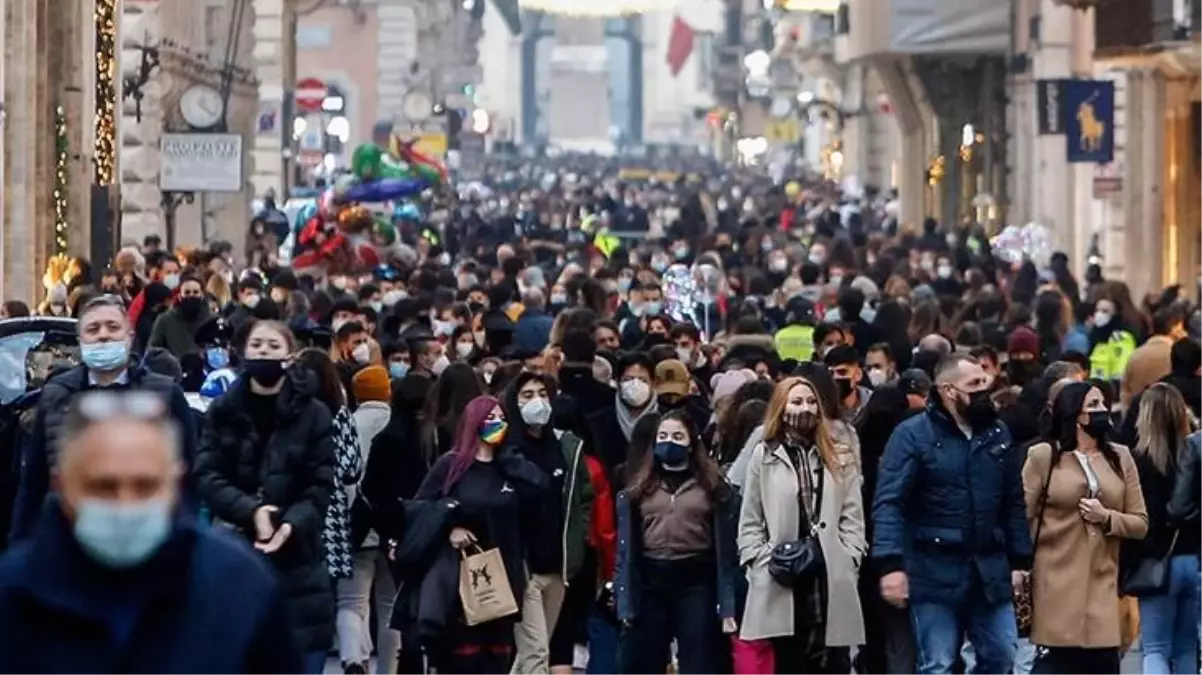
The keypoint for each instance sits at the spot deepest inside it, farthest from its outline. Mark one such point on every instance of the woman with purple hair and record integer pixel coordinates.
(494, 486)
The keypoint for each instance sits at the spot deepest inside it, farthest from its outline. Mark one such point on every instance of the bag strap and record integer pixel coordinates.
(803, 474)
(1043, 500)
(1173, 544)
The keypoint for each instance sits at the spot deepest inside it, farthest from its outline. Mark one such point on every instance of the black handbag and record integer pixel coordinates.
(1150, 576)
(794, 562)
(800, 561)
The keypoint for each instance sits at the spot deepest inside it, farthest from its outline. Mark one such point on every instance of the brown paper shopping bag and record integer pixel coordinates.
(484, 587)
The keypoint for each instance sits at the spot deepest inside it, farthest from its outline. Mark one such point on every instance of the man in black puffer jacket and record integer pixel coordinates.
(105, 336)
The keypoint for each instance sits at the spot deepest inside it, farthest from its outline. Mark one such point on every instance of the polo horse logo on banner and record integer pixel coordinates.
(1093, 130)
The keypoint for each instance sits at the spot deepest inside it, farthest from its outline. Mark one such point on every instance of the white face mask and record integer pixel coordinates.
(338, 282)
(171, 281)
(440, 365)
(778, 264)
(376, 305)
(252, 300)
(635, 393)
(684, 355)
(1100, 319)
(878, 377)
(443, 328)
(337, 323)
(944, 271)
(361, 353)
(393, 297)
(536, 412)
(464, 349)
(817, 257)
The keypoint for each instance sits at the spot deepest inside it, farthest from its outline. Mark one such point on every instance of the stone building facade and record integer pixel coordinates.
(48, 48)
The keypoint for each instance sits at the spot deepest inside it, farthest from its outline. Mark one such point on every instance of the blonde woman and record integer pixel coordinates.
(801, 483)
(1169, 613)
(218, 287)
(1083, 499)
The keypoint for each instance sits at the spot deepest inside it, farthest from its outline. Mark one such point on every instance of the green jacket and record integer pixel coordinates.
(795, 342)
(1108, 360)
(578, 496)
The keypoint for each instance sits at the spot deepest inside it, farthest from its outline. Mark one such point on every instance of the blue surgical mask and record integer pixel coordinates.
(398, 369)
(104, 355)
(671, 455)
(652, 308)
(217, 357)
(122, 535)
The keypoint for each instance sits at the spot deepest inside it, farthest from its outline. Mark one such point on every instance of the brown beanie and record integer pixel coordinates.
(372, 384)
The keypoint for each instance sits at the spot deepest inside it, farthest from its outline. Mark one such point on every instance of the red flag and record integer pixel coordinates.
(680, 45)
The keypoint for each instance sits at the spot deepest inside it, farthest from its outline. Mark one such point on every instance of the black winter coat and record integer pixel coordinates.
(395, 470)
(293, 469)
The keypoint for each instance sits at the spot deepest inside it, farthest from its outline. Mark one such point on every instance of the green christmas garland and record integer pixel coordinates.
(61, 186)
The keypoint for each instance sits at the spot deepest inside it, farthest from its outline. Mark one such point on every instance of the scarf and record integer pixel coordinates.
(626, 420)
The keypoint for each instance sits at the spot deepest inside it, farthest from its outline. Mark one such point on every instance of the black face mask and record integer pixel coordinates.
(1098, 426)
(978, 410)
(844, 386)
(266, 372)
(190, 307)
(1022, 372)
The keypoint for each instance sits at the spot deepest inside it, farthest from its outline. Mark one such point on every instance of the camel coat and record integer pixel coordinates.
(770, 516)
(1074, 581)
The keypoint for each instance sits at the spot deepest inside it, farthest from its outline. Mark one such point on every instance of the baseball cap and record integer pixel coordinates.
(671, 377)
(914, 381)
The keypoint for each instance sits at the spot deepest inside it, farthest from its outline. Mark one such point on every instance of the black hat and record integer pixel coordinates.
(914, 381)
(841, 355)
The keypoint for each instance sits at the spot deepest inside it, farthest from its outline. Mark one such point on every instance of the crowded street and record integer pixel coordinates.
(610, 336)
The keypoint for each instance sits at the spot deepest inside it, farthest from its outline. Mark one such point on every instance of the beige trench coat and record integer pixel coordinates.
(1074, 581)
(770, 516)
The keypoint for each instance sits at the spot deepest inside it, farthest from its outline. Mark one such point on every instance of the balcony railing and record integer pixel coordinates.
(1132, 25)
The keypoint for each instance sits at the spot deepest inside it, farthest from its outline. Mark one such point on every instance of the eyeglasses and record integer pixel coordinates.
(98, 406)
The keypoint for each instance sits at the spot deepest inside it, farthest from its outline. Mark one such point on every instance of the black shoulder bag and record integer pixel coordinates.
(801, 561)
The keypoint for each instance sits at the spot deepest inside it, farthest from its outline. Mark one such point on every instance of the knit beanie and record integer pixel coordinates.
(372, 384)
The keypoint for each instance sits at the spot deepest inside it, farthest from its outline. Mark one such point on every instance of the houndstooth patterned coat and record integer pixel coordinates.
(337, 532)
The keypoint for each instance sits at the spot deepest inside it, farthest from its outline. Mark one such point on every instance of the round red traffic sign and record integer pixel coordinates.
(309, 94)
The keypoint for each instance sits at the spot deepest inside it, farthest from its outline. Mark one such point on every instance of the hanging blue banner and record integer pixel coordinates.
(1089, 121)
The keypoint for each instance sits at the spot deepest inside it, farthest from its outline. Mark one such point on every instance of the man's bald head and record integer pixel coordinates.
(936, 343)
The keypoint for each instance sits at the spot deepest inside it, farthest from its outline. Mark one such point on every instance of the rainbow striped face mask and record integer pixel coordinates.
(493, 432)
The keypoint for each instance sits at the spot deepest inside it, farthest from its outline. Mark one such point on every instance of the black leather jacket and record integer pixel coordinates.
(1183, 505)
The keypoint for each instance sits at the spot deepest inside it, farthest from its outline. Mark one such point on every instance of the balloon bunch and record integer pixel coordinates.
(680, 293)
(338, 234)
(1032, 242)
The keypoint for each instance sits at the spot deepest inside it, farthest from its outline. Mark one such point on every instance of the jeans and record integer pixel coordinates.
(540, 611)
(602, 644)
(938, 630)
(315, 663)
(354, 629)
(1170, 621)
(679, 600)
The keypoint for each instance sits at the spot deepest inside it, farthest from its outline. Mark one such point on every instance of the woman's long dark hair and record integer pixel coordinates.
(730, 435)
(329, 384)
(707, 473)
(455, 387)
(1063, 432)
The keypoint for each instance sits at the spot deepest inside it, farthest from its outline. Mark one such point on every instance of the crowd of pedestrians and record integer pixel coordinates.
(833, 443)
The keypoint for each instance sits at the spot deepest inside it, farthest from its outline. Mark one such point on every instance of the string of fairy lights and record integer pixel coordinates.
(61, 188)
(603, 8)
(105, 146)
